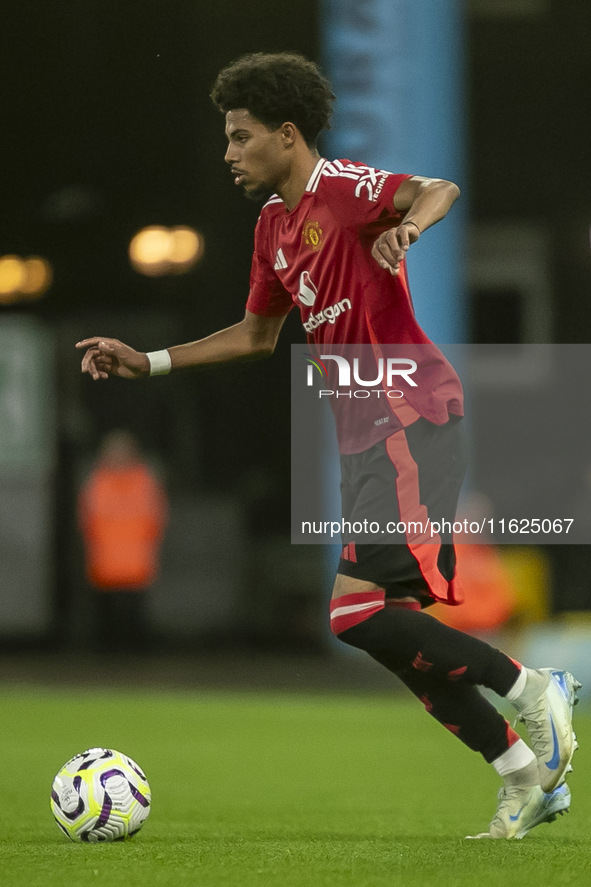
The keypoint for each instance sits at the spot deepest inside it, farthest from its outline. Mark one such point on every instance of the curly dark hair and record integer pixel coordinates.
(275, 88)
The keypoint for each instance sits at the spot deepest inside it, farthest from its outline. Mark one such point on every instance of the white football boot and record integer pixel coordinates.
(522, 807)
(546, 709)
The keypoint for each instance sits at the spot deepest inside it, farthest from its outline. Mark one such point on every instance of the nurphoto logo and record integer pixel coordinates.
(348, 374)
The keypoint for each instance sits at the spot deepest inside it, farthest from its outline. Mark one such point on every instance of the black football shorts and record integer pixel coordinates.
(399, 500)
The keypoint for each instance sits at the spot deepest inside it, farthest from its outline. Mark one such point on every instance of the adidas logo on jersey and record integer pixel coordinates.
(280, 263)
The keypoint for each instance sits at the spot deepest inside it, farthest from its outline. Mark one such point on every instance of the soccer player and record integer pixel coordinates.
(332, 238)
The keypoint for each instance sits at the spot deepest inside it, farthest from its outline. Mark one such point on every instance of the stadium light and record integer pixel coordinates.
(187, 249)
(156, 250)
(38, 277)
(23, 278)
(12, 274)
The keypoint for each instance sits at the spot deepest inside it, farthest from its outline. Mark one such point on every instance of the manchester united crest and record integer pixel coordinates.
(312, 235)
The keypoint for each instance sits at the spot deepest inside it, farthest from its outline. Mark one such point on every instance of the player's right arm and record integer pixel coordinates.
(254, 337)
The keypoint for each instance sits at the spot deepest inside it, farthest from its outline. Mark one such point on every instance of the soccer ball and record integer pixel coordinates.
(100, 795)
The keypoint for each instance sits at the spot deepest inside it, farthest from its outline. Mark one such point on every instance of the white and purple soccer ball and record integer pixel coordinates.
(100, 795)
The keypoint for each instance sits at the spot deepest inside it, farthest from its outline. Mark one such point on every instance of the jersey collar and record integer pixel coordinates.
(314, 179)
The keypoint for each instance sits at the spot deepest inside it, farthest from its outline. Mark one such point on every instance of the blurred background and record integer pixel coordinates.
(119, 218)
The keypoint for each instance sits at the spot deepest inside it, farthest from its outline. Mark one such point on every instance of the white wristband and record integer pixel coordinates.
(160, 362)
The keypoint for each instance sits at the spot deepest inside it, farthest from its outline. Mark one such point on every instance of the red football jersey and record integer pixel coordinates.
(318, 256)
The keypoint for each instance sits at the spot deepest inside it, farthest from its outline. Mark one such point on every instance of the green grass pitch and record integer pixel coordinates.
(273, 790)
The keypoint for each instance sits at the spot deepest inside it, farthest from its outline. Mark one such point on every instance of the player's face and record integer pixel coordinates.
(256, 154)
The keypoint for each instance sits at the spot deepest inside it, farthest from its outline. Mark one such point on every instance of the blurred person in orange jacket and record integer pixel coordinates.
(122, 513)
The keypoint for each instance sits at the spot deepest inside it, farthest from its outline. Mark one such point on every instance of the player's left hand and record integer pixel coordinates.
(391, 247)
